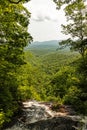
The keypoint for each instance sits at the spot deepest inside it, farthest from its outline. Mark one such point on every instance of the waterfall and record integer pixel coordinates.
(84, 121)
(40, 116)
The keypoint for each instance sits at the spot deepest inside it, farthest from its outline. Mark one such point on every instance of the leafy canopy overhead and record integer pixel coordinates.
(76, 14)
(66, 2)
(14, 23)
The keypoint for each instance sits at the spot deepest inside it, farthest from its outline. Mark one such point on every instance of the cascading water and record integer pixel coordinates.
(84, 121)
(39, 116)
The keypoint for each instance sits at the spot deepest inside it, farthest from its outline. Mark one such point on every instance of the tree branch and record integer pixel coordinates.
(14, 2)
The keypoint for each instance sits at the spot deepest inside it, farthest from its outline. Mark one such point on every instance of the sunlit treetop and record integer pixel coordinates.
(76, 27)
(66, 2)
(14, 20)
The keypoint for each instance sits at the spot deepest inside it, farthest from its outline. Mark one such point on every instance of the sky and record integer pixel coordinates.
(46, 20)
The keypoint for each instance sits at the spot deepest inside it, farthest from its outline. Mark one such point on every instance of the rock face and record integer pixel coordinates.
(39, 116)
(56, 123)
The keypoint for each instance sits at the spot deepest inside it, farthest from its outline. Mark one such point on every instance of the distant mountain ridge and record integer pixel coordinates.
(45, 47)
(44, 44)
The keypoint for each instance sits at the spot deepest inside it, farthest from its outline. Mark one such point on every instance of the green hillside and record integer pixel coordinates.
(44, 44)
(52, 62)
(55, 74)
(41, 48)
(48, 56)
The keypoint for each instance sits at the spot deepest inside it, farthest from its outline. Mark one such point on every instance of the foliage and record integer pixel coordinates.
(54, 99)
(82, 69)
(76, 15)
(61, 81)
(14, 20)
(72, 97)
(51, 62)
(2, 118)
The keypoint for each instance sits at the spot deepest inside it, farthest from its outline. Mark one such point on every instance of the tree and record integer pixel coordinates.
(14, 20)
(76, 14)
(75, 11)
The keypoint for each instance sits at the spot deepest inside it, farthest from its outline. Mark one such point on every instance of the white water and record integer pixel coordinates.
(84, 120)
(49, 113)
(34, 111)
(45, 106)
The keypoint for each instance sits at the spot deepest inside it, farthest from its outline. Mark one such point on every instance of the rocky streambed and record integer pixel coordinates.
(39, 116)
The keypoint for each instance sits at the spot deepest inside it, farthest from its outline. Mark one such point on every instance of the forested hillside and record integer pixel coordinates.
(40, 48)
(59, 77)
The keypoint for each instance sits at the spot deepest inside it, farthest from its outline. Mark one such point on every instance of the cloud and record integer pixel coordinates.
(43, 15)
(43, 10)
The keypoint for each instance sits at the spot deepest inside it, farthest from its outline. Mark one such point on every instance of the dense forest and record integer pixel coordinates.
(46, 73)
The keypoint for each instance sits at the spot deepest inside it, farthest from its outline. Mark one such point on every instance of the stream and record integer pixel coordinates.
(40, 116)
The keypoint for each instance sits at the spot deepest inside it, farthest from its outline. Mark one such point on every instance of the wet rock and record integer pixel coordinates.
(63, 109)
(56, 123)
(39, 116)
